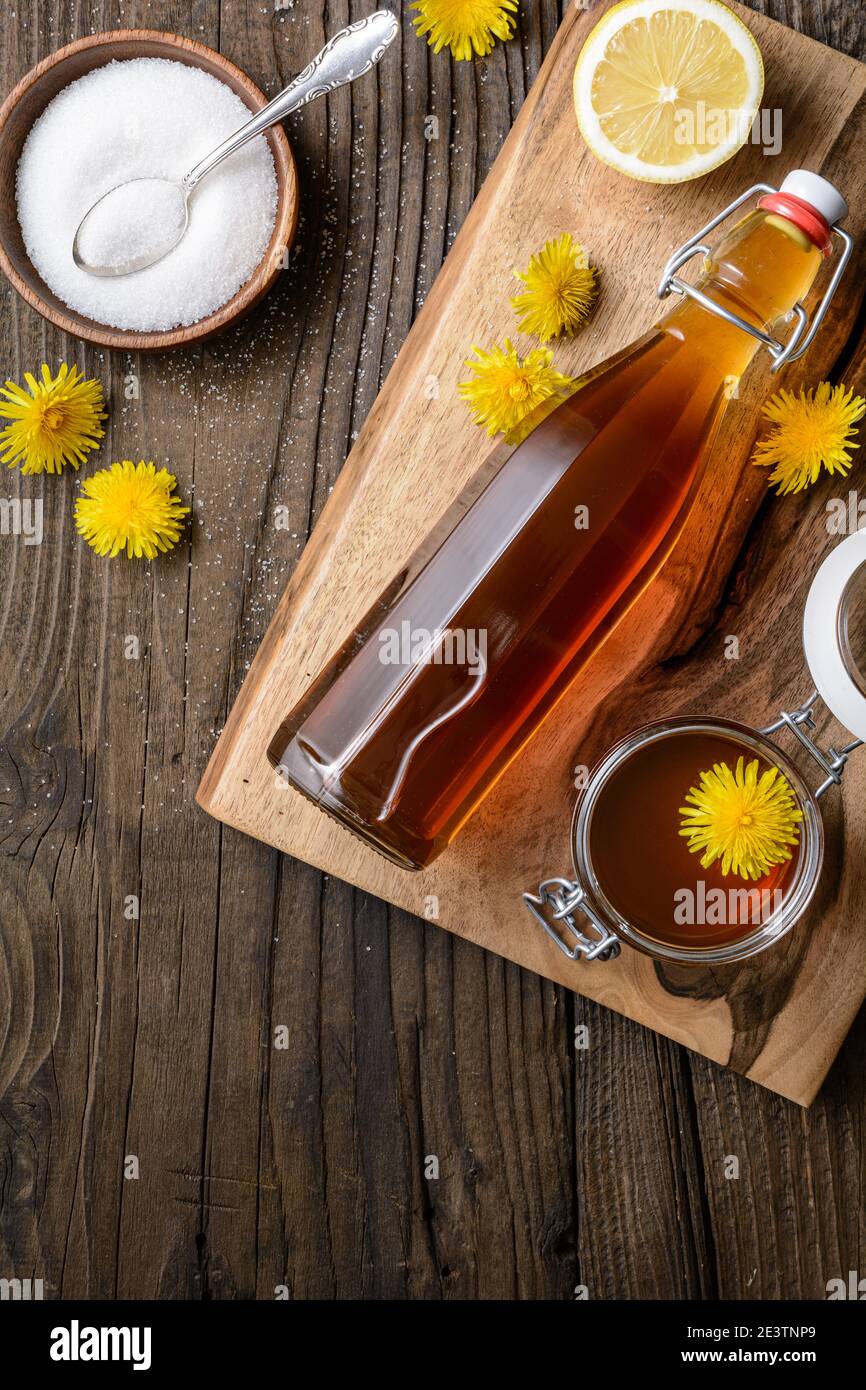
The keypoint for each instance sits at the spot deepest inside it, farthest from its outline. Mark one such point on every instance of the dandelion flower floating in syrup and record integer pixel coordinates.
(748, 821)
(812, 430)
(505, 388)
(54, 422)
(130, 507)
(560, 290)
(464, 26)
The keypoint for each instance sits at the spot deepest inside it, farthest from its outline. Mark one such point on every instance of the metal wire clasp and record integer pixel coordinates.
(801, 722)
(563, 898)
(803, 331)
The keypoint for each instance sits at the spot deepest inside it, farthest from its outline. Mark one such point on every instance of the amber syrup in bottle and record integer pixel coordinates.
(455, 666)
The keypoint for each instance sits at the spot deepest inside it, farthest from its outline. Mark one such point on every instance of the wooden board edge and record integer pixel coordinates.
(801, 1089)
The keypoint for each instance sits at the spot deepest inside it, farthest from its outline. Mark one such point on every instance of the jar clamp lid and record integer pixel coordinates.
(583, 925)
(826, 643)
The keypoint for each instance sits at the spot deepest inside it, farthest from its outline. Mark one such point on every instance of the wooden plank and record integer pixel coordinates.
(93, 742)
(414, 455)
(155, 1045)
(560, 1167)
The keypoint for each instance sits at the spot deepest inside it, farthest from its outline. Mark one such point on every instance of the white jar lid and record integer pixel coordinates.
(822, 634)
(818, 192)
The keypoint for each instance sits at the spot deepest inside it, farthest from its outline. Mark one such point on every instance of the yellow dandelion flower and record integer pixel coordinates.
(464, 25)
(560, 290)
(505, 389)
(54, 422)
(812, 430)
(747, 821)
(129, 507)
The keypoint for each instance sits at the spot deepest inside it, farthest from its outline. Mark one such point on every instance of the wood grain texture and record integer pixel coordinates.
(419, 448)
(559, 1167)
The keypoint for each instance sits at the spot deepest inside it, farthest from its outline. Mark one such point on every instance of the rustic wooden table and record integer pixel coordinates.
(222, 1075)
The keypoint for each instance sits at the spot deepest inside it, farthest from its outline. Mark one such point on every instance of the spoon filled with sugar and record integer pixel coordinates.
(136, 223)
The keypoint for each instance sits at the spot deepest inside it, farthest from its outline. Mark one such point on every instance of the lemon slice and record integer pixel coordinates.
(667, 89)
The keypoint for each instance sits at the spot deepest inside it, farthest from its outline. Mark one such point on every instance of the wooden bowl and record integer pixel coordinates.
(26, 103)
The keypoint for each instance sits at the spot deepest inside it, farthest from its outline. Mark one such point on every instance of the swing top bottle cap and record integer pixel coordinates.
(818, 192)
(811, 203)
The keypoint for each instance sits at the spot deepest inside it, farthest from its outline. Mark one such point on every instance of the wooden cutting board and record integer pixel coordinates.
(780, 1019)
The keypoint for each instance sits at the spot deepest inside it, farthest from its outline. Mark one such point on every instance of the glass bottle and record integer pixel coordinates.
(454, 667)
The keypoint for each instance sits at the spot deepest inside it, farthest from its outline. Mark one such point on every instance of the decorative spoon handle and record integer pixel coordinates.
(347, 55)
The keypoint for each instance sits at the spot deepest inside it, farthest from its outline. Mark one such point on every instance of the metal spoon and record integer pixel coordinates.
(347, 55)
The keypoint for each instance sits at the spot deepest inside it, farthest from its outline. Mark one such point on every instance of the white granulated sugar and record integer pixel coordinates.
(141, 119)
(140, 220)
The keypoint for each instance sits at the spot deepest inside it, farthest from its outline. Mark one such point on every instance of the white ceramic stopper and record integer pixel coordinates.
(818, 193)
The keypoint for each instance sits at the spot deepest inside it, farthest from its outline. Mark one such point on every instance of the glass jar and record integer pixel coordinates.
(589, 916)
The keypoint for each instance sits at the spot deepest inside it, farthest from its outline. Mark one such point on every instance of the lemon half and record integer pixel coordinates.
(666, 90)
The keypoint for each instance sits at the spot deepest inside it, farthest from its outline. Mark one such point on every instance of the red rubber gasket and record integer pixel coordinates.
(802, 214)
